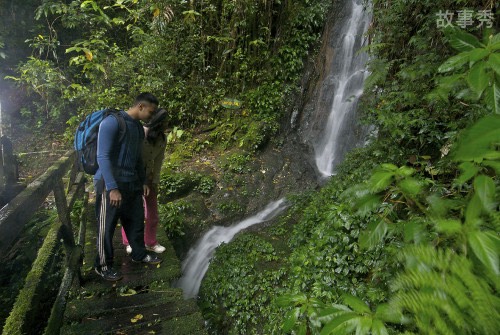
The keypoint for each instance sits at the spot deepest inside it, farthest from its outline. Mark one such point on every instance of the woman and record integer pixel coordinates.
(153, 153)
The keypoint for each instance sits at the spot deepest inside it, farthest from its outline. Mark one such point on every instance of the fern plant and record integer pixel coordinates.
(445, 294)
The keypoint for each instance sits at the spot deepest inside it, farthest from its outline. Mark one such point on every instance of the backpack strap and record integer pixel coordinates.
(121, 123)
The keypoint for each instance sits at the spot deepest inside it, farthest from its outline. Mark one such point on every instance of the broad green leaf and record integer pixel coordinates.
(335, 309)
(364, 325)
(316, 303)
(485, 249)
(302, 329)
(462, 40)
(410, 186)
(356, 303)
(477, 78)
(478, 54)
(494, 39)
(494, 46)
(405, 171)
(494, 62)
(477, 140)
(373, 235)
(454, 62)
(378, 328)
(448, 226)
(495, 238)
(473, 210)
(366, 204)
(492, 97)
(339, 324)
(493, 155)
(469, 170)
(291, 319)
(484, 187)
(389, 167)
(380, 180)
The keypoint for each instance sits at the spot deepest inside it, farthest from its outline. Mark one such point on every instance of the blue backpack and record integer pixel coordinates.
(86, 138)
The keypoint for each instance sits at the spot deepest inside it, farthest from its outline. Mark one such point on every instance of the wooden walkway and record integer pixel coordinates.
(143, 302)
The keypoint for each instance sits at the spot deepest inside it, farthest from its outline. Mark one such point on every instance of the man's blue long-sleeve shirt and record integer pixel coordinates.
(120, 161)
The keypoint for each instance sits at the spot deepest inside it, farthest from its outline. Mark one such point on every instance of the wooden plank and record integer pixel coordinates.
(21, 209)
(71, 274)
(76, 189)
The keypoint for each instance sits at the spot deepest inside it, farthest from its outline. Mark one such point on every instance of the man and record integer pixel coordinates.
(153, 153)
(120, 183)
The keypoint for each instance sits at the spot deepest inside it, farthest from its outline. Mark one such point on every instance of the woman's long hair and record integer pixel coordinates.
(155, 126)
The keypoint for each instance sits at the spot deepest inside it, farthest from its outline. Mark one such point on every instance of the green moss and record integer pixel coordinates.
(22, 317)
(189, 325)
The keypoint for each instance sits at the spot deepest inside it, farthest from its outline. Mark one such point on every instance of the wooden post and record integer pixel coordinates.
(61, 203)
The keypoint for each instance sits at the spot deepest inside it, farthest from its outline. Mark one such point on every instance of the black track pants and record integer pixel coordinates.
(131, 215)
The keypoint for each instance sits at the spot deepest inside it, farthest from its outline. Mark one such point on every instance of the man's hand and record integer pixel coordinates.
(115, 198)
(146, 190)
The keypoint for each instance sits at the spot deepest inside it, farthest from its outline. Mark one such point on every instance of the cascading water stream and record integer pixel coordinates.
(349, 73)
(196, 263)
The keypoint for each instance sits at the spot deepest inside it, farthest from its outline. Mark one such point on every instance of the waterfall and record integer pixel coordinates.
(349, 72)
(196, 263)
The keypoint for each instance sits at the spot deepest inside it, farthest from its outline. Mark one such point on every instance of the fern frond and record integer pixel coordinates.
(485, 305)
(440, 289)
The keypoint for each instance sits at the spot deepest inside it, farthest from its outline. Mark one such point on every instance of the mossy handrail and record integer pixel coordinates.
(20, 210)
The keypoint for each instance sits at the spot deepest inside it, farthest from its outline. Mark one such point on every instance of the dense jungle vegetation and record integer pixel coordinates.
(402, 240)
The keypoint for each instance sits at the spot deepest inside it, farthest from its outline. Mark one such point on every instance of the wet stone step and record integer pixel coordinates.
(136, 320)
(133, 275)
(93, 305)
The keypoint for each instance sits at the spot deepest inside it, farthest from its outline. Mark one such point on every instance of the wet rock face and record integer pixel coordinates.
(332, 85)
(276, 172)
(319, 83)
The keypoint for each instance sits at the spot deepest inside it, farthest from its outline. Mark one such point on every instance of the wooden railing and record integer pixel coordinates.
(13, 218)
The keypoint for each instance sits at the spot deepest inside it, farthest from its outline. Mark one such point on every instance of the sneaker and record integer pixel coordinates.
(109, 274)
(157, 248)
(150, 259)
(128, 249)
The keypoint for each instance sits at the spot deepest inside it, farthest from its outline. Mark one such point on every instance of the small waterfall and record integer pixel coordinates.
(349, 73)
(196, 263)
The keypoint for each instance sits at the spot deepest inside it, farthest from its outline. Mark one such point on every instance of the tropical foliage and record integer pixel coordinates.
(403, 239)
(191, 54)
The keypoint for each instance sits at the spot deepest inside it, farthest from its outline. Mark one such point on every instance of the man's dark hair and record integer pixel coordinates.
(146, 97)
